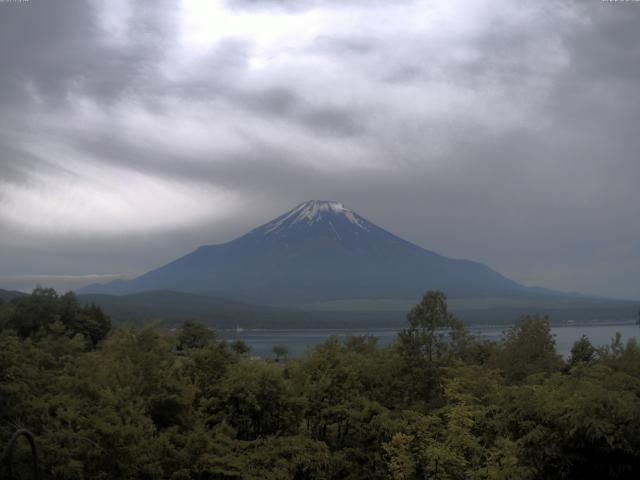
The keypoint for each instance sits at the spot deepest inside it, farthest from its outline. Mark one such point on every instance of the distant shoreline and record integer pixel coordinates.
(580, 323)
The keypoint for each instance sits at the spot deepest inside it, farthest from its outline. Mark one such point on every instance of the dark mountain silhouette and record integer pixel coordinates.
(8, 295)
(318, 251)
(171, 308)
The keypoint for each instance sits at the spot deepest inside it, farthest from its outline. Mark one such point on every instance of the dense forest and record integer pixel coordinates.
(109, 402)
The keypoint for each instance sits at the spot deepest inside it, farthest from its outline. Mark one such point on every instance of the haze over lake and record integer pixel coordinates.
(300, 341)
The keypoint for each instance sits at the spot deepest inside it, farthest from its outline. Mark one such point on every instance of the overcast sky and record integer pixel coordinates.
(505, 132)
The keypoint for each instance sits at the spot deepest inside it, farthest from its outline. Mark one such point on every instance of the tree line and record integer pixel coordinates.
(108, 402)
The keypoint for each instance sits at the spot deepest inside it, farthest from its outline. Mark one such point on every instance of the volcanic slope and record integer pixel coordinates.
(318, 251)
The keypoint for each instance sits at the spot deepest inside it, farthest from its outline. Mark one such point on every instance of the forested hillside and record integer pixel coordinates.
(7, 295)
(116, 403)
(169, 309)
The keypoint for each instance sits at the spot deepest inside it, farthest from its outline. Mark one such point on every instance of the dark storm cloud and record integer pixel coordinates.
(607, 48)
(50, 50)
(53, 47)
(42, 42)
(502, 132)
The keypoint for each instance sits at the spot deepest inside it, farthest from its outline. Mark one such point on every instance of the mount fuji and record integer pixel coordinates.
(318, 251)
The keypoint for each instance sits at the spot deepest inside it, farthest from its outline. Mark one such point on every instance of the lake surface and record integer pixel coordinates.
(300, 341)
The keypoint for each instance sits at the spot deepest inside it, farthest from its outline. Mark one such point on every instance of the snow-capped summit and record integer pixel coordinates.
(319, 250)
(315, 212)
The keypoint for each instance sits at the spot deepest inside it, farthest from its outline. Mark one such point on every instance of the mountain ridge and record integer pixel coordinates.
(319, 250)
(170, 309)
(8, 295)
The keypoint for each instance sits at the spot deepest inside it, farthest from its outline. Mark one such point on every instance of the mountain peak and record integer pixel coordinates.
(314, 207)
(312, 212)
(320, 250)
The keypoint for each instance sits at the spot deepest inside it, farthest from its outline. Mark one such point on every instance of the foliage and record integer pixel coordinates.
(38, 313)
(423, 345)
(438, 403)
(280, 351)
(529, 348)
(582, 351)
(195, 335)
(240, 347)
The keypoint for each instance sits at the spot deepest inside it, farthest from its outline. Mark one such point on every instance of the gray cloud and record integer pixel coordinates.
(298, 5)
(501, 132)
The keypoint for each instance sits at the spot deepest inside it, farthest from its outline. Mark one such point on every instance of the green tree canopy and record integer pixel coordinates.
(582, 351)
(529, 348)
(194, 334)
(437, 403)
(37, 313)
(280, 351)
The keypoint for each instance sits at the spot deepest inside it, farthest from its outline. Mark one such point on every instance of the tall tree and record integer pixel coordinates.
(424, 346)
(529, 347)
(582, 351)
(428, 324)
(195, 335)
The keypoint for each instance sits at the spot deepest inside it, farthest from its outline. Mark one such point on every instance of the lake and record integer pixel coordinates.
(299, 341)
